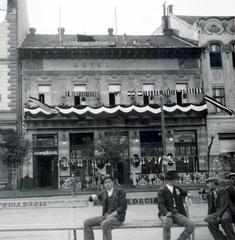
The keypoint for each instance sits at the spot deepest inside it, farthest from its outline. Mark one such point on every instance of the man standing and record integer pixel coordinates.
(114, 210)
(220, 210)
(171, 207)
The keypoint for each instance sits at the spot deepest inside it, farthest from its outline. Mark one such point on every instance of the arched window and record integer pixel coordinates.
(215, 55)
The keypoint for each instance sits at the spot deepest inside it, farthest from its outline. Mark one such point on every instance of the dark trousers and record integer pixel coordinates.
(180, 220)
(105, 223)
(226, 223)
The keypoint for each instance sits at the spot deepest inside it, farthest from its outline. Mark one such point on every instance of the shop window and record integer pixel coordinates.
(218, 95)
(44, 94)
(186, 151)
(233, 54)
(79, 94)
(215, 55)
(114, 94)
(148, 98)
(181, 93)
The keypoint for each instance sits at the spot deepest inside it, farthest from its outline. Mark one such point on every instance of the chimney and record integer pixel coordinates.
(165, 21)
(32, 31)
(61, 30)
(170, 9)
(110, 31)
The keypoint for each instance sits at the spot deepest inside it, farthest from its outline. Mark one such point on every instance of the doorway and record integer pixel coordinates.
(44, 171)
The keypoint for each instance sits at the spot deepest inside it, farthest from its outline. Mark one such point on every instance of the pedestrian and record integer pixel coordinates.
(220, 211)
(114, 210)
(171, 207)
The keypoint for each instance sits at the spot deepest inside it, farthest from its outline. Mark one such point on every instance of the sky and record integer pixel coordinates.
(134, 17)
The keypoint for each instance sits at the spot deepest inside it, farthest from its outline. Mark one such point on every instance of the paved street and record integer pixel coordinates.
(68, 215)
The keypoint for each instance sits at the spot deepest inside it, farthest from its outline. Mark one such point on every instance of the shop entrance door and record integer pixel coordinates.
(44, 171)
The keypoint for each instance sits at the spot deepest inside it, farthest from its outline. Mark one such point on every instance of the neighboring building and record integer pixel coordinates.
(216, 35)
(103, 84)
(13, 29)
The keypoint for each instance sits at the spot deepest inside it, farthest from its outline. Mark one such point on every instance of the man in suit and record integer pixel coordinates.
(231, 188)
(114, 210)
(171, 207)
(220, 210)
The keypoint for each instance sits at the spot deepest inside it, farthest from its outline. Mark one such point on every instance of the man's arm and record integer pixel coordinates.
(183, 192)
(96, 197)
(161, 203)
(123, 202)
(223, 202)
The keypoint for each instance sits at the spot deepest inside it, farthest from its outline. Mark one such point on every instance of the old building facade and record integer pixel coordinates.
(13, 29)
(216, 35)
(106, 85)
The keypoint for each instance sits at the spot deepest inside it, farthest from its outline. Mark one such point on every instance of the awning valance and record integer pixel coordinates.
(111, 110)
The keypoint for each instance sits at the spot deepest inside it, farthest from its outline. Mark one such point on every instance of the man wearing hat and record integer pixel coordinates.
(171, 207)
(114, 210)
(220, 210)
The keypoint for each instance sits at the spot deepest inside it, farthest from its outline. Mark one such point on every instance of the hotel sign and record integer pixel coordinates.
(45, 152)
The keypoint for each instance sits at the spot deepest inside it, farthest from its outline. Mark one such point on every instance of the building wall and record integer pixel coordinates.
(9, 66)
(182, 28)
(214, 30)
(97, 75)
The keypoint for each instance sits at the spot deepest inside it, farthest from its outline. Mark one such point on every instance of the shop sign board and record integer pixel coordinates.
(45, 152)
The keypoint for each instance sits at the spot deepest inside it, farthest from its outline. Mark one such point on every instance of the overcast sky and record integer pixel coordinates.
(133, 16)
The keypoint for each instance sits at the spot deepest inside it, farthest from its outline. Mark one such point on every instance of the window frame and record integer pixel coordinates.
(148, 99)
(80, 99)
(218, 98)
(215, 55)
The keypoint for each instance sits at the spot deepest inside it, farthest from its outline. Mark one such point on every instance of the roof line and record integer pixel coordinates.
(184, 40)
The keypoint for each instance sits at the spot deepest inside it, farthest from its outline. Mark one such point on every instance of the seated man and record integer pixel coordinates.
(171, 207)
(220, 210)
(231, 188)
(114, 210)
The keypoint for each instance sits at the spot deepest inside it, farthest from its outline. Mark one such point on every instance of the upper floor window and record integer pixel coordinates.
(148, 98)
(215, 55)
(181, 93)
(218, 95)
(44, 94)
(114, 94)
(233, 54)
(79, 94)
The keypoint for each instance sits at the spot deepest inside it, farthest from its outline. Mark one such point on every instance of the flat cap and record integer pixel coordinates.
(212, 179)
(107, 177)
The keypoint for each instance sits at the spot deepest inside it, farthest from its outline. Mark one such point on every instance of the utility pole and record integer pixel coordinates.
(163, 128)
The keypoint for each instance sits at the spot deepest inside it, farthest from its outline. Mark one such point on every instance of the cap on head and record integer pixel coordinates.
(231, 176)
(212, 179)
(107, 177)
(171, 175)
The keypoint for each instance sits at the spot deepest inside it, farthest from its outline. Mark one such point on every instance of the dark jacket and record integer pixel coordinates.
(231, 204)
(222, 202)
(166, 203)
(231, 192)
(120, 202)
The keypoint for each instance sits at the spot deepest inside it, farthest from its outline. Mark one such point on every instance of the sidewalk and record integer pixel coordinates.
(50, 192)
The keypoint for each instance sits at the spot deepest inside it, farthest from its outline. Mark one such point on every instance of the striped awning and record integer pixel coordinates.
(166, 92)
